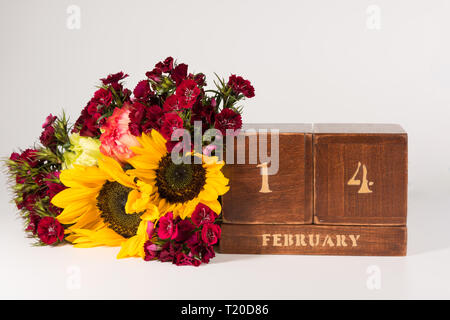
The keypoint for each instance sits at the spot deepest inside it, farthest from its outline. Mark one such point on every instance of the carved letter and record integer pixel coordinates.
(276, 240)
(354, 239)
(266, 238)
(340, 239)
(311, 240)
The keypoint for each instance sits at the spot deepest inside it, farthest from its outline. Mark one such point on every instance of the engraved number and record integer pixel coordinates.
(265, 178)
(356, 182)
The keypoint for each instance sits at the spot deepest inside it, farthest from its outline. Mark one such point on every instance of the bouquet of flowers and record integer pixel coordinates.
(115, 177)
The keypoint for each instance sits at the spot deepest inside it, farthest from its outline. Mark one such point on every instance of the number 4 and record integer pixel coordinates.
(364, 184)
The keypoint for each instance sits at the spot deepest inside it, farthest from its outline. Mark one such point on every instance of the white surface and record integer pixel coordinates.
(310, 61)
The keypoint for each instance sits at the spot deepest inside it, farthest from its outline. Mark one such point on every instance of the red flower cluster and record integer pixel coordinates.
(37, 182)
(110, 96)
(184, 242)
(169, 98)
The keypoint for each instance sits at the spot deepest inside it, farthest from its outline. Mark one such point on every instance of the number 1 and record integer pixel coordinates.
(265, 178)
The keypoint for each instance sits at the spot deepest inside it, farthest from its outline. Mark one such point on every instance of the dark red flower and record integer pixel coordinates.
(205, 114)
(170, 122)
(155, 74)
(165, 66)
(199, 249)
(202, 214)
(103, 97)
(144, 119)
(48, 138)
(199, 78)
(211, 233)
(30, 156)
(49, 121)
(93, 107)
(172, 103)
(168, 251)
(179, 73)
(142, 90)
(50, 230)
(151, 250)
(240, 85)
(228, 119)
(33, 222)
(183, 230)
(113, 78)
(187, 93)
(182, 259)
(86, 124)
(207, 253)
(14, 157)
(53, 187)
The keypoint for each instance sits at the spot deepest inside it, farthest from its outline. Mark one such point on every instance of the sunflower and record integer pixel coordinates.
(178, 188)
(105, 206)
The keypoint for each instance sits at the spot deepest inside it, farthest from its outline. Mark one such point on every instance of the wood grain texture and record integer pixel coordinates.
(291, 198)
(313, 240)
(339, 150)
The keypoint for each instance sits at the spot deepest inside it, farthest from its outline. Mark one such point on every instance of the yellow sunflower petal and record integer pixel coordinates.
(214, 205)
(70, 195)
(102, 237)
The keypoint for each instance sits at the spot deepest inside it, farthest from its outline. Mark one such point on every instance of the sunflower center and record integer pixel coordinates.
(178, 183)
(111, 201)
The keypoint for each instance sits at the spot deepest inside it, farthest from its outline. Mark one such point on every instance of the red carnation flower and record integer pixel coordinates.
(113, 78)
(103, 97)
(86, 124)
(172, 103)
(200, 79)
(49, 121)
(228, 119)
(142, 90)
(187, 93)
(205, 114)
(202, 214)
(168, 251)
(50, 230)
(183, 230)
(182, 259)
(165, 66)
(154, 75)
(171, 122)
(53, 187)
(33, 223)
(48, 138)
(30, 156)
(240, 85)
(211, 233)
(179, 73)
(166, 226)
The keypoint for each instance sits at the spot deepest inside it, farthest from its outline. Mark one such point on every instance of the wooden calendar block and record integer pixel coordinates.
(341, 189)
(360, 174)
(284, 197)
(313, 240)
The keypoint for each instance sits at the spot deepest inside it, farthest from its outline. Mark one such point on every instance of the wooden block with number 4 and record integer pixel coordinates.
(260, 194)
(360, 174)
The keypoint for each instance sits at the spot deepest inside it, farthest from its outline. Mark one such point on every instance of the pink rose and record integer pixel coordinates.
(116, 138)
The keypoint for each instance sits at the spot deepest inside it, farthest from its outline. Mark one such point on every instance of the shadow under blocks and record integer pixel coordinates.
(337, 189)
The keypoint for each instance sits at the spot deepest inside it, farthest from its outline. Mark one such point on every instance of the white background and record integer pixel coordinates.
(310, 61)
